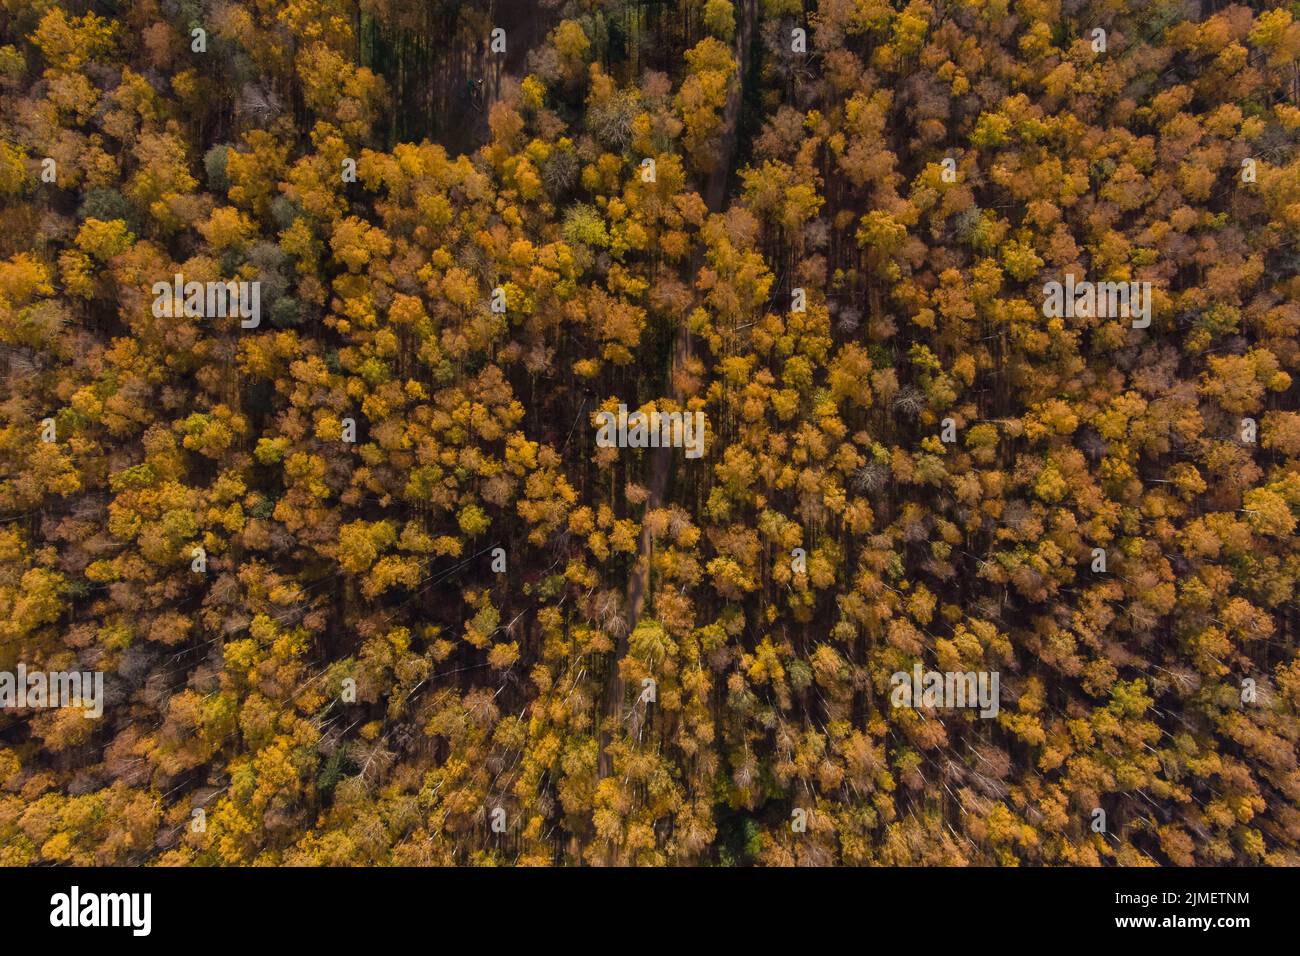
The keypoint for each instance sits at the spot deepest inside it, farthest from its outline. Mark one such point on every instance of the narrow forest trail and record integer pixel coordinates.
(683, 351)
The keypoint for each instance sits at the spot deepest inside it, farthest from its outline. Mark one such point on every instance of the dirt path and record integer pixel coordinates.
(683, 350)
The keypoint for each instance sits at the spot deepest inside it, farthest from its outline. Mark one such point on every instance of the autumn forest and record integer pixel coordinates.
(315, 319)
